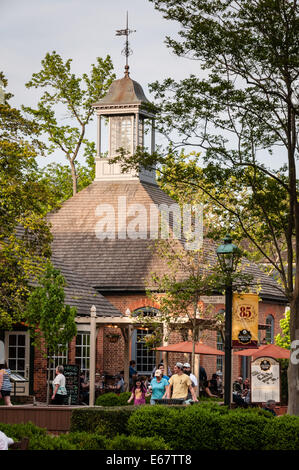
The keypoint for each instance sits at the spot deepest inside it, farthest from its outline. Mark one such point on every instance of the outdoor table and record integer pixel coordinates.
(17, 378)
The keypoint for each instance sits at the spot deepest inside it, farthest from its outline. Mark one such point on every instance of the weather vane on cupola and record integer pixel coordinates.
(126, 51)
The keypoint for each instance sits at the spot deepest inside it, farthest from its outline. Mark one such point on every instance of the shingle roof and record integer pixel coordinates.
(123, 91)
(106, 264)
(80, 295)
(120, 264)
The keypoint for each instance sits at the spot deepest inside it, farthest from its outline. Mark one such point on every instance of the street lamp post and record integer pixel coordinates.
(228, 256)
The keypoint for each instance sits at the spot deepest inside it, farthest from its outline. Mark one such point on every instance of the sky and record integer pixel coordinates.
(83, 30)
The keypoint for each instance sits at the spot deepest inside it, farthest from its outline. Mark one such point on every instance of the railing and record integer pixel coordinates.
(56, 419)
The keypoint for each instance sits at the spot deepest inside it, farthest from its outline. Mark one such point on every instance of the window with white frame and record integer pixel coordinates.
(220, 345)
(82, 354)
(270, 329)
(58, 359)
(145, 358)
(121, 133)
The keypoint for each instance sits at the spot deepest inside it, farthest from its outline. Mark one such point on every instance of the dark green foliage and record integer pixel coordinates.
(50, 443)
(109, 421)
(123, 398)
(137, 443)
(179, 426)
(282, 433)
(86, 441)
(18, 431)
(108, 399)
(243, 430)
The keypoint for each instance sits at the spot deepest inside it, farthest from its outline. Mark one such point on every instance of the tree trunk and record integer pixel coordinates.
(293, 370)
(74, 177)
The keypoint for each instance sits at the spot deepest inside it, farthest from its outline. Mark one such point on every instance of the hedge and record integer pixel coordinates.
(282, 433)
(108, 421)
(18, 431)
(243, 429)
(112, 399)
(123, 442)
(39, 440)
(192, 428)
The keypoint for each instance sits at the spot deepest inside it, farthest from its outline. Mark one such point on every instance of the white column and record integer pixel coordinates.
(92, 363)
(153, 136)
(99, 137)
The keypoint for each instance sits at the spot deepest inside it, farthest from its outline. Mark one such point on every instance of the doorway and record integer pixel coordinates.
(17, 353)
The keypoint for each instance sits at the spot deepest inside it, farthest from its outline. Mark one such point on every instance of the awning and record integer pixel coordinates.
(268, 350)
(186, 347)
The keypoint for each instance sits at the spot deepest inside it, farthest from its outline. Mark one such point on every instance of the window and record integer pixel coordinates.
(145, 358)
(83, 351)
(219, 362)
(58, 359)
(120, 134)
(270, 329)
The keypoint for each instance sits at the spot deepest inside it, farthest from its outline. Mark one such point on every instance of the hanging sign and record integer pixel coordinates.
(245, 321)
(265, 380)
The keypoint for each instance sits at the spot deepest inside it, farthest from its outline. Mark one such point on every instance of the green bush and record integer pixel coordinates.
(107, 399)
(108, 421)
(192, 428)
(50, 443)
(123, 398)
(86, 441)
(243, 429)
(18, 431)
(282, 433)
(123, 442)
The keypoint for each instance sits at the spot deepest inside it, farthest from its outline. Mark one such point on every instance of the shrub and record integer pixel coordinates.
(192, 428)
(86, 441)
(123, 442)
(243, 429)
(40, 442)
(107, 399)
(18, 431)
(123, 398)
(282, 433)
(108, 421)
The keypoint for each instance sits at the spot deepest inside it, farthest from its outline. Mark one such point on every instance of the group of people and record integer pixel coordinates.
(178, 386)
(241, 392)
(181, 385)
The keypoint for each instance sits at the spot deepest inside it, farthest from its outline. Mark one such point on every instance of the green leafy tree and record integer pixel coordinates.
(24, 234)
(283, 339)
(58, 178)
(75, 96)
(242, 105)
(52, 322)
(189, 275)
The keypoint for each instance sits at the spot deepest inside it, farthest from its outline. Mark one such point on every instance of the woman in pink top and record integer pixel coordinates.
(139, 392)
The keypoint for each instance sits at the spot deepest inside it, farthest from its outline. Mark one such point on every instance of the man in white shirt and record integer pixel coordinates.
(187, 370)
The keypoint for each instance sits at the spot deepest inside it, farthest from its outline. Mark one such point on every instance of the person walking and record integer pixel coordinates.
(5, 383)
(159, 386)
(179, 384)
(187, 371)
(139, 392)
(59, 390)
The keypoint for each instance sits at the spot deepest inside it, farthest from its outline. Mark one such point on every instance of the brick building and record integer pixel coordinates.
(113, 271)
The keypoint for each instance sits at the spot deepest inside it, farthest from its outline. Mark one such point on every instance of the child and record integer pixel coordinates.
(139, 393)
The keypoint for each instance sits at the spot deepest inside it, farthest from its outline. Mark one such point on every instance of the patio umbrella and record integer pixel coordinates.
(269, 350)
(186, 347)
